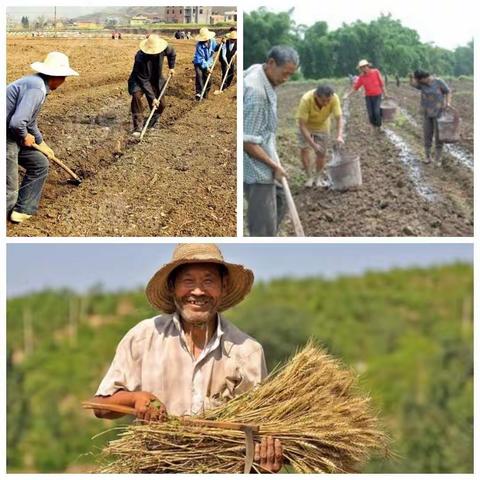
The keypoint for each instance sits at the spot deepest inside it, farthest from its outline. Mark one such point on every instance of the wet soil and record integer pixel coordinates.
(400, 195)
(179, 181)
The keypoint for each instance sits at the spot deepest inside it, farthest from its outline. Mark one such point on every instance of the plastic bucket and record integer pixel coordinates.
(345, 172)
(388, 109)
(449, 126)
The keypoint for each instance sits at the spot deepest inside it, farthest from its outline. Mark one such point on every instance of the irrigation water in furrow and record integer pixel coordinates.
(410, 160)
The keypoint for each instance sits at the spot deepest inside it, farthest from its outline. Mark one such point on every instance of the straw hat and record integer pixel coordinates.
(231, 35)
(239, 280)
(204, 35)
(364, 63)
(153, 44)
(56, 64)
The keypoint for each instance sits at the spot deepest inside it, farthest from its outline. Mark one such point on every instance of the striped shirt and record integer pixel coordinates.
(154, 357)
(259, 123)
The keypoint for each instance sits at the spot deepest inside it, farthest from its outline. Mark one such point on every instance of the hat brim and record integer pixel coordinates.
(364, 65)
(231, 35)
(239, 283)
(162, 45)
(41, 67)
(204, 38)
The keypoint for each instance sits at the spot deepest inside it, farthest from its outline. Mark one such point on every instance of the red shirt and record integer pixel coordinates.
(372, 82)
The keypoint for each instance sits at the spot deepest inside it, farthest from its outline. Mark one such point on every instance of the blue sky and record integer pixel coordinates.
(32, 267)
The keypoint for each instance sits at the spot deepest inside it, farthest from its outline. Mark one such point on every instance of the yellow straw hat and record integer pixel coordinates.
(364, 63)
(56, 64)
(231, 35)
(153, 44)
(204, 35)
(239, 279)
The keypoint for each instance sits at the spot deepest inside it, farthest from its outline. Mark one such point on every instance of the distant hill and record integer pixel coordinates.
(408, 332)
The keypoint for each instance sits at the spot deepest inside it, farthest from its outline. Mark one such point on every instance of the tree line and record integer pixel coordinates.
(389, 45)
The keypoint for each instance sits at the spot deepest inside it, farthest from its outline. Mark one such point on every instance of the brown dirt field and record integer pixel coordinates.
(180, 181)
(390, 201)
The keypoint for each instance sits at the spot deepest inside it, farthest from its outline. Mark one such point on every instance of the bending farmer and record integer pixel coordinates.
(25, 98)
(203, 60)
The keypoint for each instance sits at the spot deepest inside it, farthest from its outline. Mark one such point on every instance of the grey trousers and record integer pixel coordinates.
(430, 129)
(266, 208)
(25, 199)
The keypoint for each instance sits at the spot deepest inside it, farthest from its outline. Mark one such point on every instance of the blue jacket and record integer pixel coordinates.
(25, 98)
(204, 52)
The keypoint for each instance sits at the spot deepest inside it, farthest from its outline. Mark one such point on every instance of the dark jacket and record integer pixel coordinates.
(228, 51)
(147, 72)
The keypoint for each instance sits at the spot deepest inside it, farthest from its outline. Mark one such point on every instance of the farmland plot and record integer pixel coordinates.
(180, 181)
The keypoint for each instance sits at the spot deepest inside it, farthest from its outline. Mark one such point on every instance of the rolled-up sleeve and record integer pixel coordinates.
(125, 371)
(254, 117)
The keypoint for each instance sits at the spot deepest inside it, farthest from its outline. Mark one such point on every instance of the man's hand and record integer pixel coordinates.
(171, 72)
(340, 140)
(269, 454)
(156, 103)
(46, 150)
(279, 172)
(319, 149)
(148, 407)
(28, 140)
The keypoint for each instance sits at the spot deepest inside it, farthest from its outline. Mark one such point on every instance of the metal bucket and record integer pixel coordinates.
(345, 171)
(449, 126)
(388, 109)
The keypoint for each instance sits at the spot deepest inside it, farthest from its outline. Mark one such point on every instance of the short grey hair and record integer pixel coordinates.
(324, 90)
(283, 54)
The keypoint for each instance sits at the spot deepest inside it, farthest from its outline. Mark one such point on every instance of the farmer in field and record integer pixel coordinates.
(203, 60)
(434, 98)
(25, 144)
(147, 79)
(227, 51)
(372, 82)
(190, 358)
(261, 168)
(313, 116)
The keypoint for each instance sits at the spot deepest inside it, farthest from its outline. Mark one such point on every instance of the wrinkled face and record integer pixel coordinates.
(322, 100)
(278, 74)
(197, 292)
(55, 82)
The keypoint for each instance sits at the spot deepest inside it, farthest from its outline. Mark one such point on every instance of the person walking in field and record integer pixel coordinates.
(374, 86)
(25, 144)
(262, 171)
(147, 79)
(227, 50)
(313, 115)
(189, 358)
(435, 97)
(203, 60)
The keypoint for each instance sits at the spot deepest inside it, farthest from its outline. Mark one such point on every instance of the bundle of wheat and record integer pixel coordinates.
(312, 404)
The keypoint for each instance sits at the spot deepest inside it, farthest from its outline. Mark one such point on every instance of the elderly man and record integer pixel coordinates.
(203, 60)
(190, 358)
(435, 97)
(372, 82)
(228, 50)
(313, 116)
(25, 144)
(147, 79)
(261, 168)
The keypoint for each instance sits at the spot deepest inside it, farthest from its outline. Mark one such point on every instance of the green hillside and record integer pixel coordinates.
(409, 333)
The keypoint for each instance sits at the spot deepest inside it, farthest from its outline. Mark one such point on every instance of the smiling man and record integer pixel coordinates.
(191, 358)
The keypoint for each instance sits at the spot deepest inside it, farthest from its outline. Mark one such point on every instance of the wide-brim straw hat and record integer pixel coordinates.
(364, 63)
(56, 64)
(231, 35)
(153, 45)
(238, 282)
(204, 35)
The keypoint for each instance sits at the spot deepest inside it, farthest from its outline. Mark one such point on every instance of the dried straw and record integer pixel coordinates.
(312, 404)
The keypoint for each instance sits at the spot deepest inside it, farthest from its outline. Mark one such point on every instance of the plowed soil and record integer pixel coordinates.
(400, 195)
(179, 181)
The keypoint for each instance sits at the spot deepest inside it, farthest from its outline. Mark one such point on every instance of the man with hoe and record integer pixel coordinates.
(313, 116)
(227, 50)
(25, 144)
(147, 79)
(190, 358)
(203, 60)
(374, 86)
(436, 96)
(262, 171)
